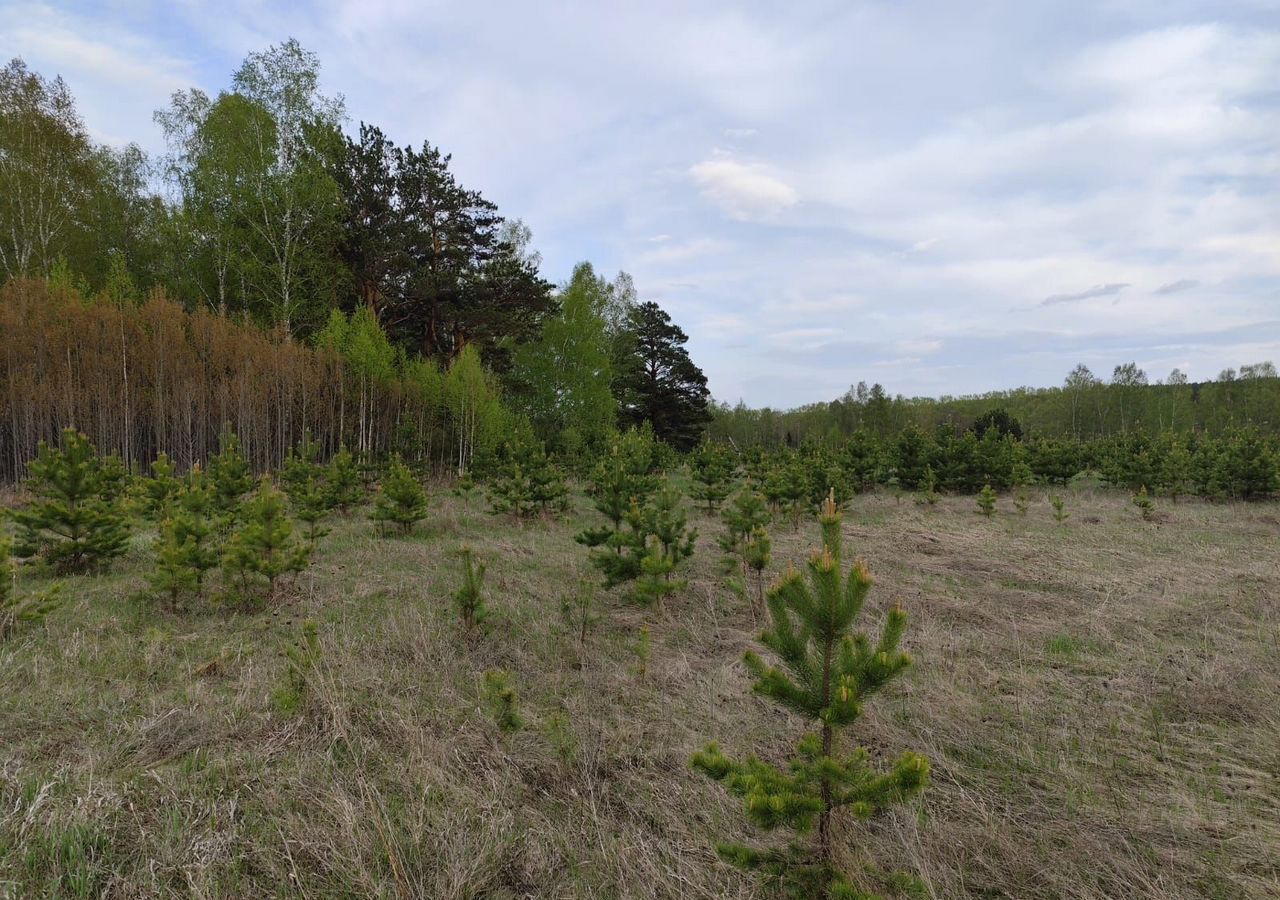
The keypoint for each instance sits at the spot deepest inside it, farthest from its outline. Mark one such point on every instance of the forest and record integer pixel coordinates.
(343, 554)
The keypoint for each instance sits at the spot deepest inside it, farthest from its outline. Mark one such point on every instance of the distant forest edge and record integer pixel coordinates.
(273, 273)
(1084, 408)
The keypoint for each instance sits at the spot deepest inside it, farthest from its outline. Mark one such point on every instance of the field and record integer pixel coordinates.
(1097, 700)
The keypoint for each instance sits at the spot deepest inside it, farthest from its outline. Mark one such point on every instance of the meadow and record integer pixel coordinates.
(1096, 699)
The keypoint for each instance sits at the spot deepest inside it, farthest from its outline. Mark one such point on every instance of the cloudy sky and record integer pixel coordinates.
(943, 197)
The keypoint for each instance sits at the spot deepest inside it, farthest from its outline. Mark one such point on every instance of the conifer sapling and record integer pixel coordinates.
(1059, 509)
(1142, 500)
(469, 597)
(17, 611)
(826, 672)
(264, 548)
(987, 501)
(502, 700)
(342, 477)
(400, 499)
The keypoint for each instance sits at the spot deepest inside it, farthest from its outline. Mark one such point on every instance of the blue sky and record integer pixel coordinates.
(942, 197)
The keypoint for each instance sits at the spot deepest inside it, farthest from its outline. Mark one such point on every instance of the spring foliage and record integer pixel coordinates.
(826, 670)
(400, 500)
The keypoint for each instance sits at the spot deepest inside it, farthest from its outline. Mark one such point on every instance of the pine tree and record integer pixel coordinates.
(264, 548)
(469, 597)
(1142, 500)
(159, 490)
(301, 661)
(1060, 514)
(929, 486)
(172, 574)
(342, 477)
(75, 521)
(193, 524)
(712, 468)
(527, 483)
(1021, 502)
(229, 474)
(502, 700)
(301, 466)
(400, 499)
(757, 552)
(828, 670)
(465, 487)
(987, 501)
(745, 512)
(621, 478)
(785, 488)
(17, 611)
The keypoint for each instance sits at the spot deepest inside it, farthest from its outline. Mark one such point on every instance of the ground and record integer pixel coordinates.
(1097, 699)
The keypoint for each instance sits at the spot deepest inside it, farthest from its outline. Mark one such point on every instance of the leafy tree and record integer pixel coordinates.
(400, 499)
(75, 521)
(565, 375)
(827, 672)
(264, 548)
(999, 421)
(658, 383)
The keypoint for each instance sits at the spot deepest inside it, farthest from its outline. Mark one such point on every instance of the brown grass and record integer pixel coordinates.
(1097, 700)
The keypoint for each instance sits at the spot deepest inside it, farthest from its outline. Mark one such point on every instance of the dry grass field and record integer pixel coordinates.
(1098, 700)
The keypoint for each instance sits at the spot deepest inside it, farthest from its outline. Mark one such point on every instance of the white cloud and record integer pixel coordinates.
(743, 191)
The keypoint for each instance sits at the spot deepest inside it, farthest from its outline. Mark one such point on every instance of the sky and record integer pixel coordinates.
(945, 198)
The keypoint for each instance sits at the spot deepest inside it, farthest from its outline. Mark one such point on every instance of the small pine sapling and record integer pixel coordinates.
(469, 598)
(17, 611)
(643, 649)
(160, 489)
(827, 672)
(711, 466)
(193, 524)
(577, 611)
(559, 732)
(172, 574)
(229, 474)
(757, 552)
(301, 466)
(502, 701)
(75, 523)
(264, 548)
(1060, 513)
(465, 487)
(301, 661)
(342, 478)
(618, 481)
(987, 501)
(528, 483)
(929, 486)
(1021, 500)
(400, 499)
(744, 513)
(786, 488)
(1142, 500)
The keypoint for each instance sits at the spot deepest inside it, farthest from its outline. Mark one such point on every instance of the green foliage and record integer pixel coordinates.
(623, 477)
(342, 477)
(658, 382)
(161, 488)
(1142, 500)
(655, 541)
(18, 611)
(229, 474)
(929, 486)
(464, 487)
(1060, 514)
(264, 548)
(172, 574)
(75, 523)
(502, 701)
(526, 482)
(786, 488)
(1021, 501)
(756, 552)
(301, 661)
(643, 650)
(745, 512)
(712, 467)
(827, 671)
(469, 598)
(311, 499)
(577, 611)
(565, 375)
(987, 501)
(400, 499)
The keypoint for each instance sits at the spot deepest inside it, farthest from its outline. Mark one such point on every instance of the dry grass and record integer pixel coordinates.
(1097, 700)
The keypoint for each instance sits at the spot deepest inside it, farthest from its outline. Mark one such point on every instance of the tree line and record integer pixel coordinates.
(276, 273)
(1083, 408)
